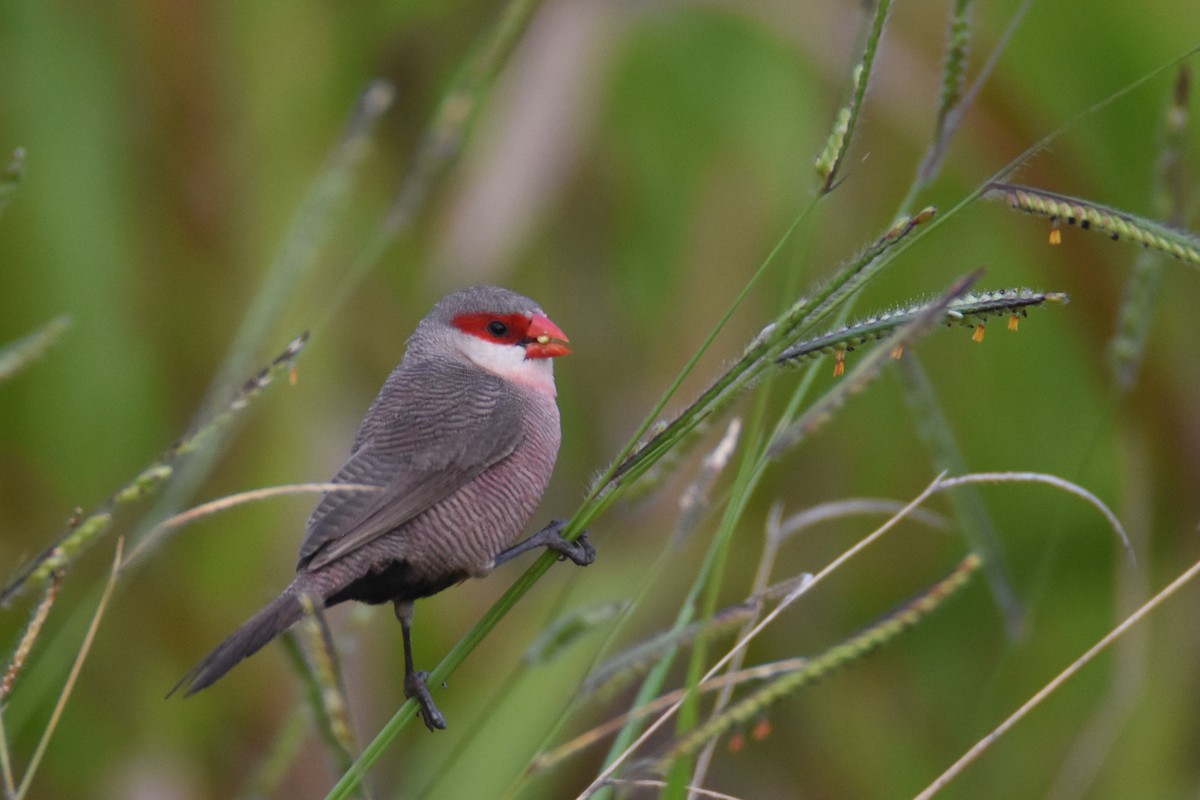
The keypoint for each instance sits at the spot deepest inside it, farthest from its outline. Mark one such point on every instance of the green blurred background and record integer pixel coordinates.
(630, 169)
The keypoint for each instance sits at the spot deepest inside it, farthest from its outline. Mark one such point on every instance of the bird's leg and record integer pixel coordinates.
(414, 682)
(580, 551)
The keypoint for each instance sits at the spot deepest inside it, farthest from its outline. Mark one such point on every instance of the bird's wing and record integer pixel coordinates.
(428, 436)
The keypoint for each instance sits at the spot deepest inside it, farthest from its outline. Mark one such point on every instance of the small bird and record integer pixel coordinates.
(459, 446)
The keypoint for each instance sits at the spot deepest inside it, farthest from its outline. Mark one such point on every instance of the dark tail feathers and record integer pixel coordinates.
(247, 640)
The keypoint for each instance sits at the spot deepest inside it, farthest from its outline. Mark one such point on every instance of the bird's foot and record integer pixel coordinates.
(416, 688)
(579, 551)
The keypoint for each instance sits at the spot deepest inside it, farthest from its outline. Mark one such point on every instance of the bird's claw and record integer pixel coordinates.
(416, 688)
(579, 551)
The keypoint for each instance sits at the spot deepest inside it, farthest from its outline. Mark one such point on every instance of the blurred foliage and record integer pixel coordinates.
(632, 167)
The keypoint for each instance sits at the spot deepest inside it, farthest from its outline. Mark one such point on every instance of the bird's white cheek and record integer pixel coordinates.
(509, 362)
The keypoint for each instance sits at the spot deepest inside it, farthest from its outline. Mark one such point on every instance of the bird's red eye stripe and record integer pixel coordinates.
(501, 328)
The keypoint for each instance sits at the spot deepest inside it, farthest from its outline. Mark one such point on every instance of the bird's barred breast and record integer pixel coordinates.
(464, 532)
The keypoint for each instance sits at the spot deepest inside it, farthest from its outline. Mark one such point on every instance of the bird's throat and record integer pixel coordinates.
(510, 363)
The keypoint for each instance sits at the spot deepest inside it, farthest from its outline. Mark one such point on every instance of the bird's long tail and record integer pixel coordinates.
(274, 619)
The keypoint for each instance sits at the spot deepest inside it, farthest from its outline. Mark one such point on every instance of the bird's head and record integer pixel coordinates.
(500, 331)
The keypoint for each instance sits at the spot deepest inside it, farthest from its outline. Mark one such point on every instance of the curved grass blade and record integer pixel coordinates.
(1050, 480)
(152, 538)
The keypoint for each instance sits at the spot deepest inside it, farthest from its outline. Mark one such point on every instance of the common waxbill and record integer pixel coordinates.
(460, 442)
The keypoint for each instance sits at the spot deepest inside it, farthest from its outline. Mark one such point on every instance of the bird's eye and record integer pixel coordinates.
(497, 328)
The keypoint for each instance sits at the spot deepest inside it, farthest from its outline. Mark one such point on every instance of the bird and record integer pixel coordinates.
(452, 458)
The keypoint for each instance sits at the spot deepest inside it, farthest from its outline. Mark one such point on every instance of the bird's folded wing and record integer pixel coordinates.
(416, 458)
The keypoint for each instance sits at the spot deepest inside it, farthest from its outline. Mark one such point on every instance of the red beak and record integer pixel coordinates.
(547, 339)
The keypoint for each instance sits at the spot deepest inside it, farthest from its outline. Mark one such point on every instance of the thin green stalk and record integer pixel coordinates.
(749, 474)
(754, 464)
(649, 580)
(653, 683)
(663, 656)
(652, 686)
